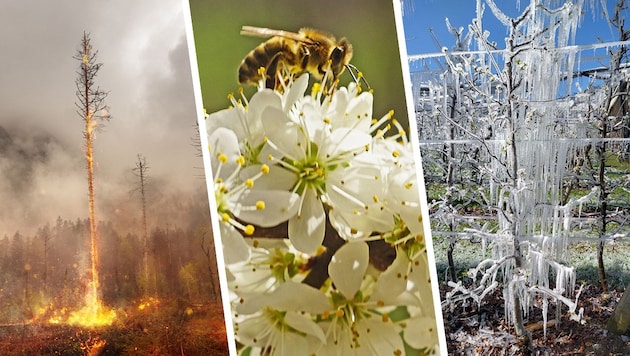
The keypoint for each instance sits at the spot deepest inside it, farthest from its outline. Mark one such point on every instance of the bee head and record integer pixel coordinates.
(340, 57)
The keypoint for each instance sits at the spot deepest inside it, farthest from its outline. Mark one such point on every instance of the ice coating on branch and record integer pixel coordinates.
(507, 118)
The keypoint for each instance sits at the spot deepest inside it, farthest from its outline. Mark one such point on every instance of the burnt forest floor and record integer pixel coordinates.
(173, 327)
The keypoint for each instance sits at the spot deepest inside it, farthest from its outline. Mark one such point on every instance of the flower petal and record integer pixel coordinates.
(404, 190)
(379, 338)
(234, 247)
(304, 324)
(226, 118)
(295, 296)
(306, 230)
(348, 266)
(296, 91)
(223, 141)
(289, 296)
(346, 140)
(421, 333)
(279, 206)
(393, 281)
(283, 133)
(278, 178)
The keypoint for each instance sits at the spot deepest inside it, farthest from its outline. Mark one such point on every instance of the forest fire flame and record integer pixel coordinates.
(89, 316)
(150, 302)
(92, 314)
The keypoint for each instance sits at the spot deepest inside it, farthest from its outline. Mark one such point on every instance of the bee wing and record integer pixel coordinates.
(268, 32)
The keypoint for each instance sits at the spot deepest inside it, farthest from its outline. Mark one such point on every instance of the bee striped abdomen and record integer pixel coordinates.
(267, 55)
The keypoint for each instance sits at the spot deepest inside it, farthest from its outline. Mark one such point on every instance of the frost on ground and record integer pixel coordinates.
(481, 330)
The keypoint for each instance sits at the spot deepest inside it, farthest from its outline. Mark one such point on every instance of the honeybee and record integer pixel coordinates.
(288, 53)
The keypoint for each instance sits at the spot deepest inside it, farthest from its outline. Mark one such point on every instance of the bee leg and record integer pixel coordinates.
(272, 71)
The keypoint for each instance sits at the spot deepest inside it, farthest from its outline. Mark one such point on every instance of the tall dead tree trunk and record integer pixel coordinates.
(92, 110)
(141, 172)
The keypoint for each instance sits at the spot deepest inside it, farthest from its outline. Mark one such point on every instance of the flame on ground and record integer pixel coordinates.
(150, 302)
(92, 315)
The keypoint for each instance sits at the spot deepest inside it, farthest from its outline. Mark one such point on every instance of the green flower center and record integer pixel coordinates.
(312, 171)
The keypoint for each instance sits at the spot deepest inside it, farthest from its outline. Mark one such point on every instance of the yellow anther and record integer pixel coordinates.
(316, 88)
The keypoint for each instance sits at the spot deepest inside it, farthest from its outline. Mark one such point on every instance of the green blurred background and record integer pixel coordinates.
(369, 26)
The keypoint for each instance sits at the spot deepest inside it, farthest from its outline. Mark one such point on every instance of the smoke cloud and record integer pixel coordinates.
(146, 72)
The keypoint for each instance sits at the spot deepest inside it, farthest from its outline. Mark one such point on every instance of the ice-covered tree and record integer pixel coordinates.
(513, 106)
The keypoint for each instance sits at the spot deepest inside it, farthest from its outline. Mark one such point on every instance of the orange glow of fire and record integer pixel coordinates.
(93, 315)
(150, 302)
(55, 320)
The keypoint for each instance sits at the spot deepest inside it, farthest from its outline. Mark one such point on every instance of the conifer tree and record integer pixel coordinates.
(93, 111)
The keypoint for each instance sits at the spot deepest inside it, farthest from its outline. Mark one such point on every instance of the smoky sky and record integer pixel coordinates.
(146, 71)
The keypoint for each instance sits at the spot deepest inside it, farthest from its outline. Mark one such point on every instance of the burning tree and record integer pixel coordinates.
(93, 111)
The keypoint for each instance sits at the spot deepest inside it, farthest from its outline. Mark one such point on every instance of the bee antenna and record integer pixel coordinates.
(358, 76)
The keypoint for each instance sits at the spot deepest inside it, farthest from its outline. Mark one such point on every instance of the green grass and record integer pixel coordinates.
(582, 255)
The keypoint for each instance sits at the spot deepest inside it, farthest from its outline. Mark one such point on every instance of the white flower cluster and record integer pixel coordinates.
(320, 224)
